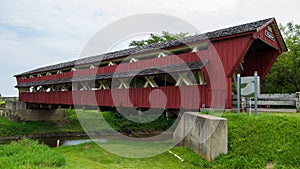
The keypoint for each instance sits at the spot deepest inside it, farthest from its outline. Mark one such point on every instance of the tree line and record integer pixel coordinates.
(284, 76)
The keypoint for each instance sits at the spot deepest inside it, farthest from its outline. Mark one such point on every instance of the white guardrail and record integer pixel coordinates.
(268, 100)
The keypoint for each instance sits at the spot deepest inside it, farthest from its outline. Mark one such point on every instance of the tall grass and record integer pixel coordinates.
(29, 154)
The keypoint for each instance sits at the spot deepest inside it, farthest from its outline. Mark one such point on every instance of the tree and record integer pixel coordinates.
(284, 76)
(154, 38)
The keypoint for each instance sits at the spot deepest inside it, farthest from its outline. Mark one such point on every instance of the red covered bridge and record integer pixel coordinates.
(191, 72)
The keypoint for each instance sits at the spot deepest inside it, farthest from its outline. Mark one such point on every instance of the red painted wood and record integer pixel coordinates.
(19, 80)
(262, 35)
(228, 51)
(259, 61)
(231, 52)
(173, 59)
(224, 56)
(190, 97)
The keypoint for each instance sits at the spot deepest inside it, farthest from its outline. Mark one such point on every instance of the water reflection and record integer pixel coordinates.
(76, 142)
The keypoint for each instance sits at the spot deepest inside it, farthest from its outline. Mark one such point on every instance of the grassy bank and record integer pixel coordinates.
(29, 154)
(9, 128)
(269, 140)
(93, 121)
(272, 139)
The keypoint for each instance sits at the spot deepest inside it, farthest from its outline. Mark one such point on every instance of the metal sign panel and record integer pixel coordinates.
(247, 86)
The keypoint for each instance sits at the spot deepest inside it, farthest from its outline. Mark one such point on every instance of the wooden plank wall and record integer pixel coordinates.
(168, 60)
(191, 97)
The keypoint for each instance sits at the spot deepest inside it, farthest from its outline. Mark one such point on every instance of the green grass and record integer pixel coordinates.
(92, 121)
(92, 156)
(9, 128)
(29, 154)
(95, 122)
(254, 142)
(268, 138)
(121, 124)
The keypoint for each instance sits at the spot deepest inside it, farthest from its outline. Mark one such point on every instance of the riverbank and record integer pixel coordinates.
(93, 122)
(13, 130)
(266, 141)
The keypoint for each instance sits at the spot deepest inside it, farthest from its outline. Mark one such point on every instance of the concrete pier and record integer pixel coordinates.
(204, 134)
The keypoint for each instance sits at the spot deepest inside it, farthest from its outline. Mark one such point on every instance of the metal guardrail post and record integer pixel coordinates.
(248, 105)
(298, 102)
(243, 103)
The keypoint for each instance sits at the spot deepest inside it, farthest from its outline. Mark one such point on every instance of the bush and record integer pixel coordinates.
(2, 104)
(121, 124)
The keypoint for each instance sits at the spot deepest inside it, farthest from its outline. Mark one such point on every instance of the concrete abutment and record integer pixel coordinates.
(204, 134)
(20, 111)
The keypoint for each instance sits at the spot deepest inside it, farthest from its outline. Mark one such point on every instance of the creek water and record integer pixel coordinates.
(67, 141)
(63, 141)
(75, 140)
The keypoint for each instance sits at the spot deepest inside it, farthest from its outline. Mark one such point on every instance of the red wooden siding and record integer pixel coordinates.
(262, 35)
(231, 52)
(168, 60)
(49, 77)
(259, 61)
(186, 97)
(224, 56)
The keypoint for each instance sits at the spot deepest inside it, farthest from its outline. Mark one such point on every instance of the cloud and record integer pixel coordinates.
(34, 33)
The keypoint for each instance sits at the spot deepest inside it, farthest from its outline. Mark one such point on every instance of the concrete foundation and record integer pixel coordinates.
(17, 111)
(204, 134)
(53, 115)
(11, 105)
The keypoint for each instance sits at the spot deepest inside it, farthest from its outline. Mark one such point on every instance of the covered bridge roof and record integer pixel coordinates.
(235, 30)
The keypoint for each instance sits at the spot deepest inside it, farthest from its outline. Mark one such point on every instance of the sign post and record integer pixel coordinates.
(238, 93)
(255, 93)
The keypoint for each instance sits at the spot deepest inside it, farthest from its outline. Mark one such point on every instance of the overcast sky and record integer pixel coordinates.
(35, 33)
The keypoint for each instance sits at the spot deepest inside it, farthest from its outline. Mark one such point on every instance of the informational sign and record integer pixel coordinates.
(247, 86)
(269, 35)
